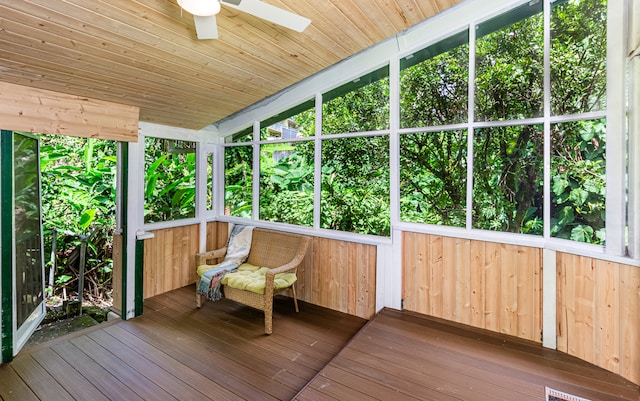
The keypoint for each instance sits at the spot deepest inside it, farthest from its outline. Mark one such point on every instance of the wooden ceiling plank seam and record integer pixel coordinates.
(143, 52)
(257, 51)
(165, 106)
(76, 74)
(369, 29)
(341, 20)
(113, 34)
(108, 55)
(100, 65)
(413, 7)
(388, 10)
(327, 25)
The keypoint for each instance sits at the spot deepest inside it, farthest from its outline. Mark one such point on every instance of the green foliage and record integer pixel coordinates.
(238, 181)
(578, 181)
(355, 185)
(363, 109)
(508, 167)
(507, 160)
(78, 195)
(169, 181)
(286, 186)
(78, 183)
(433, 176)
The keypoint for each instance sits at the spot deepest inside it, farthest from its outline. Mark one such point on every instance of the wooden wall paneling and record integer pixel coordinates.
(508, 290)
(217, 235)
(477, 283)
(629, 296)
(599, 313)
(116, 278)
(416, 277)
(583, 339)
(606, 317)
(436, 268)
(449, 280)
(46, 112)
(364, 274)
(492, 286)
(487, 285)
(562, 298)
(169, 259)
(528, 291)
(340, 276)
(463, 280)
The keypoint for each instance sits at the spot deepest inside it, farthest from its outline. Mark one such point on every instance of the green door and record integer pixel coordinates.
(22, 268)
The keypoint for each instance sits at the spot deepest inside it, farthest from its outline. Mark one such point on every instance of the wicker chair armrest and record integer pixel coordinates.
(295, 262)
(202, 258)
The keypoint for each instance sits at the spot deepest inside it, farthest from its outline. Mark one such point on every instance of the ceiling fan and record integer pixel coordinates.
(204, 15)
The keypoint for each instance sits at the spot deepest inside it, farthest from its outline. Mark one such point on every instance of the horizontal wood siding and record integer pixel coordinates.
(45, 112)
(338, 275)
(598, 312)
(482, 284)
(169, 259)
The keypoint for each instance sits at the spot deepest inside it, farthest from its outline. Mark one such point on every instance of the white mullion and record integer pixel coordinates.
(255, 174)
(219, 184)
(201, 180)
(470, 118)
(616, 132)
(394, 141)
(633, 9)
(546, 187)
(549, 265)
(317, 162)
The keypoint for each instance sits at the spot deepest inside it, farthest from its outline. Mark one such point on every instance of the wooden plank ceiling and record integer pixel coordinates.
(145, 53)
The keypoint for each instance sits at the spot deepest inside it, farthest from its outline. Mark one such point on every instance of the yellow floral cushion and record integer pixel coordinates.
(252, 278)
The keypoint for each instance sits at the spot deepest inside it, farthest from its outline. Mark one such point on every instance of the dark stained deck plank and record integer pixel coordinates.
(519, 359)
(100, 377)
(431, 359)
(12, 387)
(220, 352)
(40, 381)
(131, 378)
(183, 372)
(216, 367)
(293, 354)
(73, 382)
(140, 363)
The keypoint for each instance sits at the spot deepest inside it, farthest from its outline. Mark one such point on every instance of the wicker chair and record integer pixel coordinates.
(279, 251)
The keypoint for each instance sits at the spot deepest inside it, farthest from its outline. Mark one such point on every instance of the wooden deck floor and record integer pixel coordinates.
(176, 352)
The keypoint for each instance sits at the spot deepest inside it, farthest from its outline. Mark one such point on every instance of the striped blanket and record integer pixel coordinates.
(238, 248)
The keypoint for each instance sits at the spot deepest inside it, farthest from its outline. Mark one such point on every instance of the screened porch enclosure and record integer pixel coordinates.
(478, 170)
(463, 177)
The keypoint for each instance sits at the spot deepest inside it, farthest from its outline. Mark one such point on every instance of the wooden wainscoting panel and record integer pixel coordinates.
(338, 275)
(629, 295)
(217, 235)
(169, 259)
(116, 278)
(598, 311)
(483, 284)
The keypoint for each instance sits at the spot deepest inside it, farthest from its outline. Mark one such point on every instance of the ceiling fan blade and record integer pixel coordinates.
(206, 27)
(271, 13)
